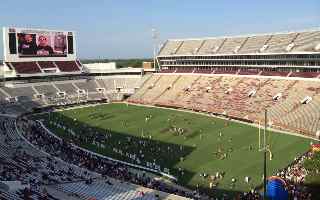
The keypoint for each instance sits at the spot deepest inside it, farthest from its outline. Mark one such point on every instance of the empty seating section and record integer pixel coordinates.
(162, 84)
(203, 70)
(296, 92)
(26, 67)
(184, 70)
(249, 72)
(266, 91)
(279, 42)
(120, 83)
(67, 66)
(46, 64)
(305, 118)
(211, 46)
(244, 98)
(20, 98)
(189, 47)
(305, 74)
(132, 83)
(149, 84)
(101, 190)
(219, 70)
(170, 70)
(87, 85)
(180, 85)
(307, 41)
(254, 44)
(232, 45)
(108, 84)
(19, 91)
(66, 87)
(274, 73)
(47, 90)
(170, 47)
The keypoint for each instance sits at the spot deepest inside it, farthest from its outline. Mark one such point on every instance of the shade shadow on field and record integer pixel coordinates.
(120, 145)
(125, 147)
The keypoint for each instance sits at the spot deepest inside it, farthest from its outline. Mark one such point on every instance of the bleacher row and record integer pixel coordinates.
(242, 71)
(31, 172)
(267, 43)
(25, 97)
(239, 97)
(37, 67)
(20, 162)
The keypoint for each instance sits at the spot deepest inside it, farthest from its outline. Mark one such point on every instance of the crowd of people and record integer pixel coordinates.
(294, 175)
(66, 150)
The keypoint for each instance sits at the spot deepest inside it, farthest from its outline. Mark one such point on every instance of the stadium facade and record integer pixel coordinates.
(292, 54)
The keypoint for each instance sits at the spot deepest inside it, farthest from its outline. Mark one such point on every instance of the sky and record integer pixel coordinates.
(123, 28)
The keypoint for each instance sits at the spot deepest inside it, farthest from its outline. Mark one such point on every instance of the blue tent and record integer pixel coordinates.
(276, 189)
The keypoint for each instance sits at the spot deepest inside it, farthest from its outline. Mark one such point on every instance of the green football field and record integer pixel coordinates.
(187, 144)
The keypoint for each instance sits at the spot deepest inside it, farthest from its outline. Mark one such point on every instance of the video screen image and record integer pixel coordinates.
(46, 44)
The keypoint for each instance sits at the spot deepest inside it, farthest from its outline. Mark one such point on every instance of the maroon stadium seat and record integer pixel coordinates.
(46, 64)
(274, 73)
(26, 67)
(305, 74)
(67, 66)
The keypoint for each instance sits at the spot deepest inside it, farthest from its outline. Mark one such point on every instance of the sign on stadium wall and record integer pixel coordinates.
(23, 44)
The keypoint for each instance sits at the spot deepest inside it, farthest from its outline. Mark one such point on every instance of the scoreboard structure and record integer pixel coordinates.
(41, 49)
(23, 44)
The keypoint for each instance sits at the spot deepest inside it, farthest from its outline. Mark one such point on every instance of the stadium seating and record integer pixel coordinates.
(46, 89)
(244, 98)
(87, 85)
(184, 70)
(211, 46)
(19, 91)
(279, 42)
(170, 70)
(274, 73)
(46, 64)
(305, 74)
(203, 70)
(220, 70)
(26, 67)
(105, 190)
(249, 72)
(171, 47)
(304, 41)
(66, 87)
(254, 44)
(232, 45)
(189, 47)
(307, 41)
(67, 66)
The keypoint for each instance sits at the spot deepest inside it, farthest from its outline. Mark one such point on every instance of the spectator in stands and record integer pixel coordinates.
(43, 47)
(27, 44)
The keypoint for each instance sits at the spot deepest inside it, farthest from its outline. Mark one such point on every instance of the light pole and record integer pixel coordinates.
(265, 157)
(154, 38)
(263, 146)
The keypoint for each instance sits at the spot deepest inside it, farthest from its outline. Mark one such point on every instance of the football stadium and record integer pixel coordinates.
(223, 117)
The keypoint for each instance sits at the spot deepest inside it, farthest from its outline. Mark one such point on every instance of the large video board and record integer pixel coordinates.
(26, 44)
(43, 44)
